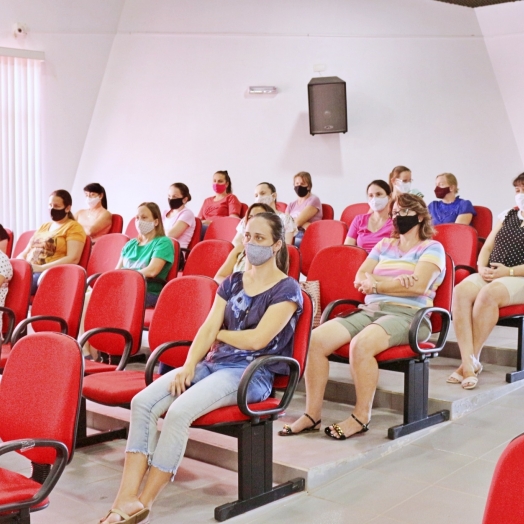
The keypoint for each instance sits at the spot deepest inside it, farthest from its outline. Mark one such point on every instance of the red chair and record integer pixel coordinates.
(351, 211)
(117, 224)
(22, 242)
(294, 262)
(10, 241)
(39, 405)
(318, 235)
(222, 228)
(513, 316)
(327, 212)
(252, 425)
(281, 206)
(413, 359)
(86, 253)
(505, 504)
(207, 257)
(482, 222)
(181, 309)
(461, 243)
(131, 231)
(16, 304)
(105, 254)
(243, 210)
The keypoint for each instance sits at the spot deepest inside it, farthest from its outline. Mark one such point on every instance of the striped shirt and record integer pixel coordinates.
(393, 262)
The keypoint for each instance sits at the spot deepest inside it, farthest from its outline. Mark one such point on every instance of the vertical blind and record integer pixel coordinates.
(20, 143)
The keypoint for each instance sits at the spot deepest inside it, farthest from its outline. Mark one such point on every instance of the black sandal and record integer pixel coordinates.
(340, 433)
(286, 431)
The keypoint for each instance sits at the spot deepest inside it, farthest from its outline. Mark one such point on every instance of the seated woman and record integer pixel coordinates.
(236, 260)
(254, 314)
(151, 253)
(498, 283)
(60, 241)
(400, 275)
(450, 209)
(96, 219)
(6, 274)
(179, 221)
(307, 208)
(4, 239)
(266, 193)
(368, 229)
(400, 181)
(223, 204)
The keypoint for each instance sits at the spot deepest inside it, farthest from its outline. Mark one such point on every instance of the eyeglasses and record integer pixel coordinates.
(401, 212)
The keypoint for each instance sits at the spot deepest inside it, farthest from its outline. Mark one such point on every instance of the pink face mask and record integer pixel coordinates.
(219, 188)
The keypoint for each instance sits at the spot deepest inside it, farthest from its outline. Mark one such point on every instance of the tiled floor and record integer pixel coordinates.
(441, 477)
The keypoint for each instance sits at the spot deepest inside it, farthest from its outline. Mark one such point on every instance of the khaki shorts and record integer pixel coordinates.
(514, 285)
(394, 319)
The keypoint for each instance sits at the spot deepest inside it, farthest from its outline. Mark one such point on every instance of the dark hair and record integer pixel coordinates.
(229, 188)
(396, 173)
(272, 188)
(66, 199)
(265, 207)
(415, 203)
(382, 184)
(277, 233)
(183, 189)
(95, 187)
(519, 181)
(157, 215)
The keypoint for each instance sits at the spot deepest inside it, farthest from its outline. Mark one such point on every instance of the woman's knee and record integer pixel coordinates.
(465, 293)
(494, 294)
(363, 346)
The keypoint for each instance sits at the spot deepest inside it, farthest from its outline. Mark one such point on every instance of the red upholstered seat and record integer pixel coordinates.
(106, 253)
(10, 242)
(222, 228)
(22, 242)
(6, 351)
(131, 231)
(394, 353)
(117, 224)
(232, 414)
(351, 211)
(20, 488)
(294, 262)
(207, 257)
(510, 311)
(327, 212)
(91, 367)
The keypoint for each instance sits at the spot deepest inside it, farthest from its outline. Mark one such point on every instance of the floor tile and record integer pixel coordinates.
(474, 478)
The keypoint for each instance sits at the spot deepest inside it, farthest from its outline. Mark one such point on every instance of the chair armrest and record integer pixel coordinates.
(154, 357)
(10, 326)
(23, 325)
(50, 482)
(91, 280)
(332, 305)
(469, 269)
(294, 373)
(118, 331)
(417, 322)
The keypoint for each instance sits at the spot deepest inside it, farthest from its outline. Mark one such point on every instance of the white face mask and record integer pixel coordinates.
(144, 227)
(378, 203)
(92, 202)
(264, 199)
(403, 187)
(519, 199)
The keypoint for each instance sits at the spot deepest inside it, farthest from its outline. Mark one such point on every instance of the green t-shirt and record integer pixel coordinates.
(136, 256)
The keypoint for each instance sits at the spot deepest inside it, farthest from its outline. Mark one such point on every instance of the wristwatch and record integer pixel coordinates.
(511, 272)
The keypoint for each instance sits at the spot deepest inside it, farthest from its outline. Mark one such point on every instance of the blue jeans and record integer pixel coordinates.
(34, 283)
(151, 299)
(214, 386)
(298, 238)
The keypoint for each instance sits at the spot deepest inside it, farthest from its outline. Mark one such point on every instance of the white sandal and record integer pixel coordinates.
(455, 378)
(470, 382)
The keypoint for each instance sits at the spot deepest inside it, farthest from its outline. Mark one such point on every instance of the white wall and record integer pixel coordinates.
(76, 38)
(172, 105)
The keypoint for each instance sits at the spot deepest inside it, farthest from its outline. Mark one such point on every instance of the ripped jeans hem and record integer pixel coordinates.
(151, 465)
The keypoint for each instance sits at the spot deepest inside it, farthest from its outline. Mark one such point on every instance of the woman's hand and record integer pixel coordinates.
(498, 270)
(367, 285)
(182, 380)
(37, 268)
(407, 281)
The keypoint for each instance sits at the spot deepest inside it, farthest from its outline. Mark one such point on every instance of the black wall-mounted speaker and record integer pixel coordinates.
(327, 105)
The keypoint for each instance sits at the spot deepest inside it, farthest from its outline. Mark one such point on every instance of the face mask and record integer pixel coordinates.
(219, 188)
(441, 192)
(175, 203)
(258, 255)
(378, 203)
(301, 191)
(405, 224)
(264, 199)
(519, 199)
(57, 214)
(403, 187)
(92, 202)
(144, 227)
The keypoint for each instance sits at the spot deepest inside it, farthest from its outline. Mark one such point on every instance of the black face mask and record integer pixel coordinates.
(57, 214)
(301, 191)
(175, 203)
(405, 224)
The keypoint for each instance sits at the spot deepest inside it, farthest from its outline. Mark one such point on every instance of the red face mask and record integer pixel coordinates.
(441, 192)
(219, 188)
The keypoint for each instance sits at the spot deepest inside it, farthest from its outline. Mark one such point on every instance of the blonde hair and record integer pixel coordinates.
(306, 177)
(415, 203)
(397, 171)
(450, 179)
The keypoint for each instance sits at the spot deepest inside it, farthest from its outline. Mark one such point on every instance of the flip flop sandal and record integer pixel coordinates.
(140, 516)
(286, 431)
(341, 434)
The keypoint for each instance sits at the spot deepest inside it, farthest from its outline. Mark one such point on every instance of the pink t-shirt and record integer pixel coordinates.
(295, 208)
(229, 205)
(365, 238)
(187, 216)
